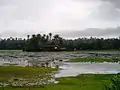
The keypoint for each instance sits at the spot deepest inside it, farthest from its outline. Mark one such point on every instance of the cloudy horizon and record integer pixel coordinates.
(69, 18)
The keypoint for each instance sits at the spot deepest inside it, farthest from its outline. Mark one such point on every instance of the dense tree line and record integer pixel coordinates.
(56, 43)
(93, 44)
(12, 43)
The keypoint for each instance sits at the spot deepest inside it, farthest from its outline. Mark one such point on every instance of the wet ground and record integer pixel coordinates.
(26, 58)
(68, 69)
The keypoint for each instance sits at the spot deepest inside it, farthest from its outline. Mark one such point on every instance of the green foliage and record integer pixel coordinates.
(115, 83)
(10, 51)
(95, 59)
(12, 44)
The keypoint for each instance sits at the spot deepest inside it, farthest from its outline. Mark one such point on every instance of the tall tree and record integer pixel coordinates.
(50, 34)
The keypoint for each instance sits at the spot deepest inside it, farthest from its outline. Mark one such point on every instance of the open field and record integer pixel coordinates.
(82, 82)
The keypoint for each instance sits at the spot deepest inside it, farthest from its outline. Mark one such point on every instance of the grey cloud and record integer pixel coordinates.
(94, 32)
(116, 3)
(53, 15)
(6, 34)
(106, 12)
(42, 14)
(24, 9)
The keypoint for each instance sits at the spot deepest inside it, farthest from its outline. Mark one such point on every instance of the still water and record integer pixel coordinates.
(73, 69)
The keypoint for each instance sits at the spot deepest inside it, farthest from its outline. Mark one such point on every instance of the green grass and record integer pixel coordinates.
(8, 72)
(82, 82)
(95, 59)
(10, 51)
(112, 50)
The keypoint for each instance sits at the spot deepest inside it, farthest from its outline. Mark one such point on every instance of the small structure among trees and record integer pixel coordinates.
(44, 43)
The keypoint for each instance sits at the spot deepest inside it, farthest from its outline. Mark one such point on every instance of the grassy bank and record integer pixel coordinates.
(95, 59)
(109, 50)
(8, 72)
(82, 82)
(10, 51)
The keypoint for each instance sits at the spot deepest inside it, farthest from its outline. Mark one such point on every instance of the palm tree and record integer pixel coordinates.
(33, 36)
(56, 41)
(11, 38)
(28, 36)
(56, 36)
(50, 34)
(38, 36)
(44, 37)
(47, 38)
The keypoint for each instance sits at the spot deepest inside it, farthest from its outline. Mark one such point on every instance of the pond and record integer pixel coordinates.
(73, 69)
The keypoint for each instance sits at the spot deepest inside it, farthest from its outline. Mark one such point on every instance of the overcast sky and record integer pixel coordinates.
(69, 18)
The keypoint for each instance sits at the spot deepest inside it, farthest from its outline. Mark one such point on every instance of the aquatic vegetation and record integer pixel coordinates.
(26, 76)
(80, 82)
(96, 59)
